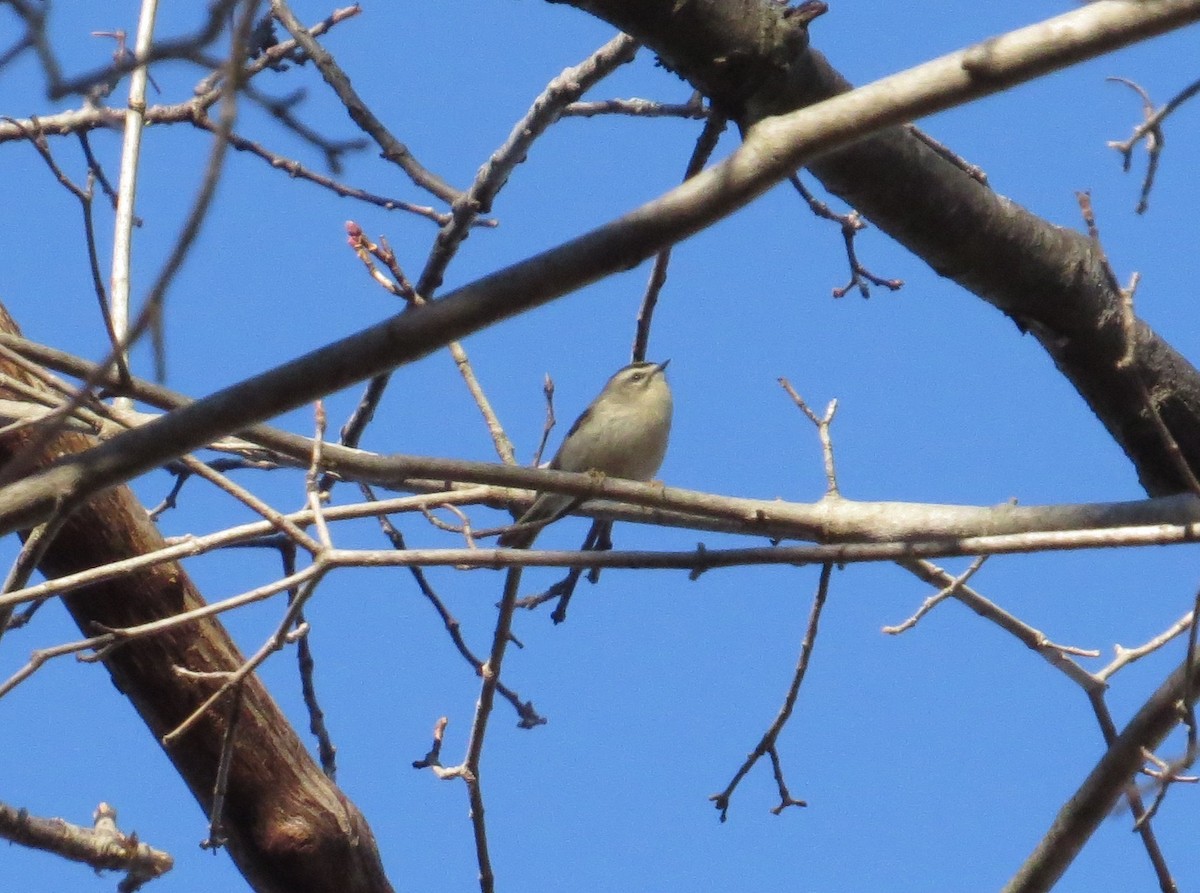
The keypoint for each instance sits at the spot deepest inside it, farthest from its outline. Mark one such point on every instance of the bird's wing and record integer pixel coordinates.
(583, 417)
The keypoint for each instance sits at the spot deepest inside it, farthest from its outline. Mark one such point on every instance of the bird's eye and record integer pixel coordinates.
(637, 376)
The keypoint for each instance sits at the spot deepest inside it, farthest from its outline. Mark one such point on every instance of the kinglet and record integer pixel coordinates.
(623, 434)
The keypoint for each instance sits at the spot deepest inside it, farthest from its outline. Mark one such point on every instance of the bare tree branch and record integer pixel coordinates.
(286, 823)
(102, 847)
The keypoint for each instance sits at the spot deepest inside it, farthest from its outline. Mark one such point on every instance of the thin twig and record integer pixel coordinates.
(33, 14)
(706, 144)
(483, 711)
(1033, 639)
(850, 223)
(305, 662)
(298, 171)
(529, 717)
(1129, 324)
(823, 425)
(152, 311)
(393, 150)
(31, 554)
(312, 479)
(548, 425)
(101, 81)
(937, 598)
(127, 179)
(216, 830)
(976, 173)
(274, 643)
(693, 109)
(1129, 655)
(1187, 713)
(399, 285)
(1151, 131)
(84, 196)
(433, 757)
(191, 546)
(598, 539)
(547, 108)
(767, 744)
(281, 109)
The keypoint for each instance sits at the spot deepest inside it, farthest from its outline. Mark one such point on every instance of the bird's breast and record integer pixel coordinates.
(629, 444)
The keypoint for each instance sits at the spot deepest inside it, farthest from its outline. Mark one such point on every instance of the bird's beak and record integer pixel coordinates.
(662, 367)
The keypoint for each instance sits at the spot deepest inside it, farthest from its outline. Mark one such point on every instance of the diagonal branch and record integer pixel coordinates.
(393, 150)
(288, 827)
(1101, 791)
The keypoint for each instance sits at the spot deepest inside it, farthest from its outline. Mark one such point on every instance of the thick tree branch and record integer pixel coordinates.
(289, 828)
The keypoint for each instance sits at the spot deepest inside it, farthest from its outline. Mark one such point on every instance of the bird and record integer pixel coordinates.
(622, 434)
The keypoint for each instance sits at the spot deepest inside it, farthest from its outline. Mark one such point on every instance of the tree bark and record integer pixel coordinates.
(289, 828)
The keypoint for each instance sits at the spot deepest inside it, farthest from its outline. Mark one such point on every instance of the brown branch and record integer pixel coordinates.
(767, 744)
(698, 561)
(850, 223)
(847, 520)
(288, 827)
(529, 717)
(1100, 792)
(1034, 639)
(1151, 131)
(102, 847)
(393, 150)
(706, 144)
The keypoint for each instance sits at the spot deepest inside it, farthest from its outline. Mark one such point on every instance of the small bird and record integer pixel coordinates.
(622, 434)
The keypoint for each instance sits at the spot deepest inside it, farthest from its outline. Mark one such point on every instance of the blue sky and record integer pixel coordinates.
(930, 761)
